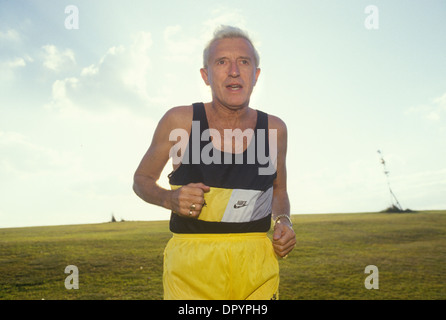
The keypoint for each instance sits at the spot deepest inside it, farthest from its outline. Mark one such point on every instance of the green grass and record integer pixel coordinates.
(123, 260)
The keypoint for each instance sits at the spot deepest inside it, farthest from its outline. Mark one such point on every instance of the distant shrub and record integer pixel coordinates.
(394, 209)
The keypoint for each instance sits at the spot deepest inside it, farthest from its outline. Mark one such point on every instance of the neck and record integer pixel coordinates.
(229, 113)
(223, 117)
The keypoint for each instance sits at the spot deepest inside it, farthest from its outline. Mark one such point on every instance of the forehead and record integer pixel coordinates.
(231, 47)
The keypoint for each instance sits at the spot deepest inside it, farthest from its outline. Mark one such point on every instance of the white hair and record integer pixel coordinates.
(229, 32)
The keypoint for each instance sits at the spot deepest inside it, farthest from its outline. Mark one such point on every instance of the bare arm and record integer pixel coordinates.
(284, 238)
(152, 164)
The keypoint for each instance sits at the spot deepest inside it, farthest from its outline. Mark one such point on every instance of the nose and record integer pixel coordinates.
(234, 70)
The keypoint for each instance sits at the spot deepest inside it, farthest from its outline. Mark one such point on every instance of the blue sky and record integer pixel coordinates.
(78, 107)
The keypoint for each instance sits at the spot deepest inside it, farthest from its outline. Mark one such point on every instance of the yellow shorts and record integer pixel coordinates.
(220, 267)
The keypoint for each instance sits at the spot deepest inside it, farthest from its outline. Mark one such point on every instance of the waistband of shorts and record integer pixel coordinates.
(222, 236)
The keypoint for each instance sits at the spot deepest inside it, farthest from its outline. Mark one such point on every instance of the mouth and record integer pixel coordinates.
(234, 87)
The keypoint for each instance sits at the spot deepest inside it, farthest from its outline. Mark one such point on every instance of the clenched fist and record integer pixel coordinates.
(189, 199)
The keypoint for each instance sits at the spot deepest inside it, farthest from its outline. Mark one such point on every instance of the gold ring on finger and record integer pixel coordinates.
(192, 206)
(190, 212)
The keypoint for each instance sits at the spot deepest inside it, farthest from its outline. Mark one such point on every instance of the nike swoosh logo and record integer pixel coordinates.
(240, 204)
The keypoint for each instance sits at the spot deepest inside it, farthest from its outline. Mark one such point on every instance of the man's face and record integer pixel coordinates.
(231, 72)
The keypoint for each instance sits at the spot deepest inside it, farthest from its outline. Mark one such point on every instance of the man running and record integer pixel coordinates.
(228, 183)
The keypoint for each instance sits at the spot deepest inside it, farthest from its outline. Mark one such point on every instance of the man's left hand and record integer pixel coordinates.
(284, 239)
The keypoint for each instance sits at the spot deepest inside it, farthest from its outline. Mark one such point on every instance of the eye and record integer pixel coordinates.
(244, 61)
(221, 62)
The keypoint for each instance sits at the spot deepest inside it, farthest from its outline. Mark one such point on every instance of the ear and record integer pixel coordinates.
(204, 75)
(257, 75)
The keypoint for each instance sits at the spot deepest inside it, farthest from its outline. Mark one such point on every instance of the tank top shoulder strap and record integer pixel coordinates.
(200, 115)
(262, 120)
(262, 126)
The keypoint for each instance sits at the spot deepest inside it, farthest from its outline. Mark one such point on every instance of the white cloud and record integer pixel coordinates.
(126, 77)
(10, 35)
(433, 116)
(55, 59)
(60, 99)
(434, 112)
(11, 66)
(81, 174)
(120, 79)
(182, 47)
(440, 102)
(17, 62)
(90, 70)
(170, 31)
(22, 158)
(137, 69)
(179, 47)
(223, 16)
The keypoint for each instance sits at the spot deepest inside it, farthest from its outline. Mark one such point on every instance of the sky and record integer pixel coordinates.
(83, 85)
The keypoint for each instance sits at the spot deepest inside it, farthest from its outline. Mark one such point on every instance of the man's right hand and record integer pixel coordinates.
(189, 199)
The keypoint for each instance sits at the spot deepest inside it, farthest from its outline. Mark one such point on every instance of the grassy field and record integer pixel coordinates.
(123, 260)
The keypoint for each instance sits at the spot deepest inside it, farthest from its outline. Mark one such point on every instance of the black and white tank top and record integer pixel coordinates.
(241, 185)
